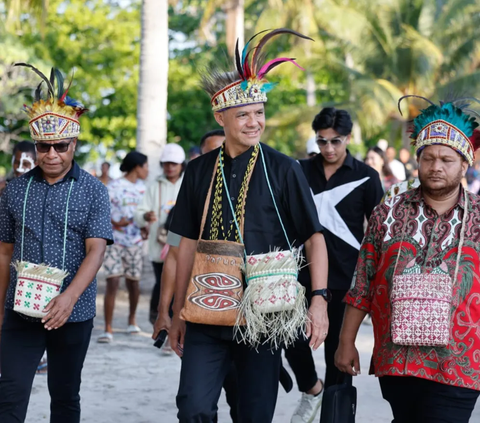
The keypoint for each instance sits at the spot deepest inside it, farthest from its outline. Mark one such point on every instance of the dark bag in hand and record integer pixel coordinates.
(339, 403)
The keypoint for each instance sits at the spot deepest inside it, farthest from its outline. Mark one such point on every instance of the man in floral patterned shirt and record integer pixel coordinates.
(423, 296)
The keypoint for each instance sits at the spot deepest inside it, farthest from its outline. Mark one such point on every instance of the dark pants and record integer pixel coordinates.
(22, 346)
(415, 400)
(207, 360)
(155, 299)
(300, 357)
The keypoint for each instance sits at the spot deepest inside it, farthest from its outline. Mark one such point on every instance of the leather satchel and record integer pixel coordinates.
(339, 403)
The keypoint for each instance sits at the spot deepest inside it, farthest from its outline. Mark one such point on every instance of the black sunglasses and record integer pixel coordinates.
(322, 142)
(60, 147)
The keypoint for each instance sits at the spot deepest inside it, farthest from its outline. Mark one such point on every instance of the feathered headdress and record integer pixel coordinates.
(56, 117)
(449, 124)
(246, 85)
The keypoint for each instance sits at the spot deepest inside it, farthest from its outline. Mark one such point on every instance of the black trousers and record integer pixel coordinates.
(300, 358)
(415, 400)
(22, 346)
(207, 359)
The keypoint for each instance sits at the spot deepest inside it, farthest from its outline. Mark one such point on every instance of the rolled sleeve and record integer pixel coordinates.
(299, 201)
(99, 218)
(7, 222)
(185, 220)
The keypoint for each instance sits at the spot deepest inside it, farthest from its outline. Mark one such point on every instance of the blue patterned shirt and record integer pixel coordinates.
(88, 217)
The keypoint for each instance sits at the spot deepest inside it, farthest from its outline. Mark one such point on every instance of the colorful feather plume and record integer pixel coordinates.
(58, 101)
(250, 64)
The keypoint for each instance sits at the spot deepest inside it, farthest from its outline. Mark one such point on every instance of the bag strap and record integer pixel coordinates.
(65, 225)
(273, 199)
(207, 200)
(460, 245)
(240, 227)
(159, 199)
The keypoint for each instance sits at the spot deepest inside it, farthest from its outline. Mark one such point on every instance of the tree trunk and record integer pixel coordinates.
(235, 24)
(153, 84)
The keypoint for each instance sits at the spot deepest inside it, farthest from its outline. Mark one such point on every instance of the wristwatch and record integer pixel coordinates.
(325, 293)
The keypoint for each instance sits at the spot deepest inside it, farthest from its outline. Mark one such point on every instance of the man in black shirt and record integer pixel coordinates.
(208, 349)
(345, 192)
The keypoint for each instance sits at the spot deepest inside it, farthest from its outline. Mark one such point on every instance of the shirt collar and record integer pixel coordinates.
(415, 196)
(74, 173)
(347, 162)
(244, 157)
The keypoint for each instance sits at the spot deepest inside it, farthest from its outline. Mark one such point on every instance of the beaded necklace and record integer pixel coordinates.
(217, 215)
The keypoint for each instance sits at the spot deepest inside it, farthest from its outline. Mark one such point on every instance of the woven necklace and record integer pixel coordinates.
(217, 215)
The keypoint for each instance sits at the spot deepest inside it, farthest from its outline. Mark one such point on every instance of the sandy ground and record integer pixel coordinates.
(130, 381)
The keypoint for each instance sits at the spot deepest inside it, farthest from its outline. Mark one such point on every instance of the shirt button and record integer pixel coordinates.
(231, 221)
(232, 198)
(234, 176)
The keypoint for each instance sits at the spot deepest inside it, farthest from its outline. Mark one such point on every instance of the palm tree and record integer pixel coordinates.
(153, 85)
(400, 47)
(234, 21)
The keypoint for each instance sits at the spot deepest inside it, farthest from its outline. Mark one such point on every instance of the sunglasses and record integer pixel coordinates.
(60, 147)
(335, 142)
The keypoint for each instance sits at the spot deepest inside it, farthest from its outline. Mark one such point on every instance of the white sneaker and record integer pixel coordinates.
(307, 408)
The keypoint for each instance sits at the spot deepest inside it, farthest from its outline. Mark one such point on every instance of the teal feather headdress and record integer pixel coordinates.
(446, 124)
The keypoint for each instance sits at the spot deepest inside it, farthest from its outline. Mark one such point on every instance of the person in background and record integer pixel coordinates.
(104, 173)
(417, 275)
(376, 159)
(397, 167)
(156, 204)
(411, 165)
(345, 192)
(125, 257)
(24, 158)
(193, 153)
(312, 148)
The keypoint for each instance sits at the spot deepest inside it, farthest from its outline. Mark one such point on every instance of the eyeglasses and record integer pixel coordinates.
(60, 147)
(335, 142)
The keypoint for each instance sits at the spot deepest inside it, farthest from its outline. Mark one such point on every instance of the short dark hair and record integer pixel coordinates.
(214, 133)
(106, 163)
(132, 160)
(329, 117)
(25, 147)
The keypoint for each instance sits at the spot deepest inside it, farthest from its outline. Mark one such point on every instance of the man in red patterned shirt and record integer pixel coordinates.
(418, 275)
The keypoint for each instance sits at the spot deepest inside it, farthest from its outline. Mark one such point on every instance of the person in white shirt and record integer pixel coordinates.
(153, 211)
(397, 167)
(125, 257)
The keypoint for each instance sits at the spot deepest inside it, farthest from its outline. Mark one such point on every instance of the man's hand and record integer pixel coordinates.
(150, 216)
(317, 325)
(177, 335)
(58, 311)
(122, 222)
(162, 322)
(347, 359)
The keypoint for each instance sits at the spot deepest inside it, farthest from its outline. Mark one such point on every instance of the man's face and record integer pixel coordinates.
(211, 143)
(391, 153)
(440, 170)
(243, 125)
(22, 163)
(171, 170)
(52, 162)
(333, 146)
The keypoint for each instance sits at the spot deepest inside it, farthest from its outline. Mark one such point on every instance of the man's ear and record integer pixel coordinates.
(464, 167)
(219, 118)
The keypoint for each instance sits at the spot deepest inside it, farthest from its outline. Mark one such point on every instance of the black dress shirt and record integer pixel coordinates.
(263, 231)
(343, 202)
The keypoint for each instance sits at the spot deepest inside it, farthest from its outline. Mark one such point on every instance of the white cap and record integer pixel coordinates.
(172, 153)
(382, 144)
(312, 146)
